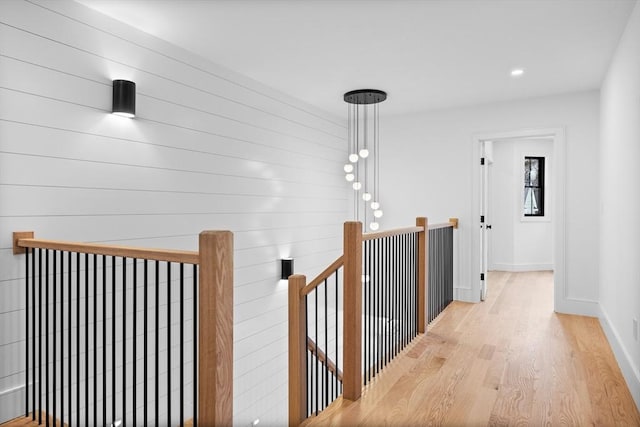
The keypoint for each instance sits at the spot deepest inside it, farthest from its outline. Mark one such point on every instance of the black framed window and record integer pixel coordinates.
(534, 186)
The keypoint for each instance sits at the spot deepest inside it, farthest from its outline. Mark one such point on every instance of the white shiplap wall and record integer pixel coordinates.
(209, 149)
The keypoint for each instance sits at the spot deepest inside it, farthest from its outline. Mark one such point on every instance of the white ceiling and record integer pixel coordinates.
(428, 54)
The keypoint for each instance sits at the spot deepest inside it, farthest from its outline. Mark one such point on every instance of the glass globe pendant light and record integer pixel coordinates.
(363, 150)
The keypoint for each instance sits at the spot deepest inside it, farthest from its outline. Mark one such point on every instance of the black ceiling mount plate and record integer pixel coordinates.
(365, 96)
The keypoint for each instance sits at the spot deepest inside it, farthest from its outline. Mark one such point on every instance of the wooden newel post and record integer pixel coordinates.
(297, 351)
(215, 325)
(352, 250)
(423, 273)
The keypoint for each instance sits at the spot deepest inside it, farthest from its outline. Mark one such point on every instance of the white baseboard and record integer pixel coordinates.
(465, 294)
(577, 306)
(630, 371)
(521, 267)
(11, 403)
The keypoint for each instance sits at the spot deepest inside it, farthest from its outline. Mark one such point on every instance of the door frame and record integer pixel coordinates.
(557, 135)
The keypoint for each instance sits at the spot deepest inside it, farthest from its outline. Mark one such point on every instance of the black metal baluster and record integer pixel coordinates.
(157, 345)
(379, 297)
(135, 340)
(33, 332)
(55, 334)
(405, 295)
(440, 270)
(113, 340)
(400, 281)
(326, 345)
(70, 339)
(368, 336)
(405, 289)
(95, 340)
(86, 339)
(61, 337)
(144, 338)
(450, 254)
(39, 405)
(195, 345)
(438, 274)
(124, 341)
(316, 352)
(401, 296)
(78, 336)
(26, 352)
(46, 337)
(397, 307)
(391, 295)
(388, 289)
(417, 269)
(396, 298)
(306, 352)
(429, 281)
(435, 277)
(378, 300)
(414, 297)
(365, 305)
(337, 325)
(383, 300)
(104, 340)
(181, 344)
(169, 343)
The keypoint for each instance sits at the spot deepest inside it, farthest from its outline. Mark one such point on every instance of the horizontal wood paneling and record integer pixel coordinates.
(209, 149)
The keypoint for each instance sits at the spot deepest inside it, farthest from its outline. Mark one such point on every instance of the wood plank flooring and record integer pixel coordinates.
(507, 361)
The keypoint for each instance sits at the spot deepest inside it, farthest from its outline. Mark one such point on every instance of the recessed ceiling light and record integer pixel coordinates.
(517, 72)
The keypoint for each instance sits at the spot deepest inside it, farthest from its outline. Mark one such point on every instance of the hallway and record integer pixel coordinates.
(508, 361)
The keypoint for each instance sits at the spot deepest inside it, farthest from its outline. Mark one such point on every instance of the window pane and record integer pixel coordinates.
(533, 186)
(533, 174)
(527, 202)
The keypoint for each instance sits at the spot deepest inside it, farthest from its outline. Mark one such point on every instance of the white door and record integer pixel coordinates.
(485, 225)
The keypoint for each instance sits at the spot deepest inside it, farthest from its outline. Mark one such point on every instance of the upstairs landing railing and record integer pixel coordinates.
(103, 346)
(357, 315)
(440, 279)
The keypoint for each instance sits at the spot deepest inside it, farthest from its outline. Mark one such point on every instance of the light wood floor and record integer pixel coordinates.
(507, 361)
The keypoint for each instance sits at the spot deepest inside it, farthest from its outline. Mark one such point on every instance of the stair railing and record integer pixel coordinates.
(361, 311)
(440, 281)
(94, 333)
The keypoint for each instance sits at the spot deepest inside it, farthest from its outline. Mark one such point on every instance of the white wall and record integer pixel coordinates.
(620, 203)
(427, 168)
(518, 243)
(210, 149)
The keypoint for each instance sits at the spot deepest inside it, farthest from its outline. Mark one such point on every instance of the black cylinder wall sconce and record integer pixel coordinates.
(286, 268)
(124, 98)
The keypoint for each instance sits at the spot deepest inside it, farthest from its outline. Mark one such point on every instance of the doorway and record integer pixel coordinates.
(511, 238)
(518, 212)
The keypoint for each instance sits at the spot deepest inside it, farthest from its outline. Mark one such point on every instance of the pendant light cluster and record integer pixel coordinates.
(363, 169)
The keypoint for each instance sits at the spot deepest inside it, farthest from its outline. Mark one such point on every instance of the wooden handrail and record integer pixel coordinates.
(186, 257)
(453, 222)
(322, 357)
(441, 225)
(390, 233)
(323, 276)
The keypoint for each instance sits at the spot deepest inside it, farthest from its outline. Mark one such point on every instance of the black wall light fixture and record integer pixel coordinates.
(124, 98)
(286, 268)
